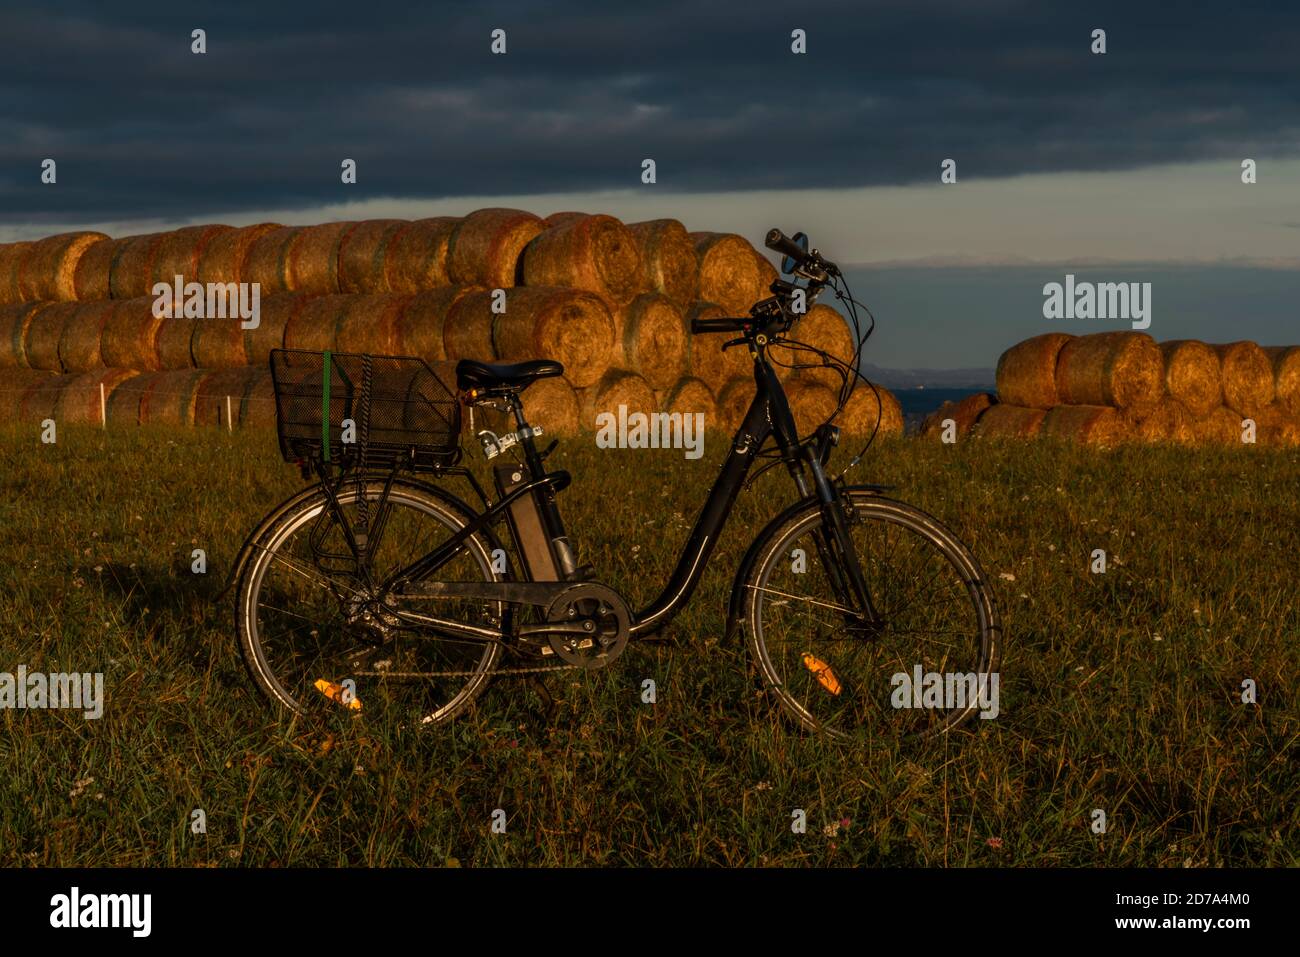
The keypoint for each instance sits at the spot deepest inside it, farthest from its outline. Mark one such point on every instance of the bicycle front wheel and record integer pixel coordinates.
(926, 667)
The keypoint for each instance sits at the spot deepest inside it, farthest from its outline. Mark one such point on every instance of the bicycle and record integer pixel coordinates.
(375, 584)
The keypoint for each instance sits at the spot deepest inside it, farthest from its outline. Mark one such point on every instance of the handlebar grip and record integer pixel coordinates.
(700, 326)
(778, 241)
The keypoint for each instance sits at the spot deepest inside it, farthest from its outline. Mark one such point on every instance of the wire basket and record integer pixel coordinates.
(391, 410)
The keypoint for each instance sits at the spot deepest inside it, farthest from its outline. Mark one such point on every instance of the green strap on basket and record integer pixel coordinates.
(325, 407)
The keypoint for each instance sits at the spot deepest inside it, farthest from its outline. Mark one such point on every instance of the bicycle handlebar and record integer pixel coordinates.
(727, 324)
(779, 242)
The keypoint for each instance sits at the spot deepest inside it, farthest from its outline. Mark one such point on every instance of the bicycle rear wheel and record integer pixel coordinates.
(309, 623)
(937, 619)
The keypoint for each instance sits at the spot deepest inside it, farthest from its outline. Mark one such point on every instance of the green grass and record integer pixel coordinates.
(1119, 691)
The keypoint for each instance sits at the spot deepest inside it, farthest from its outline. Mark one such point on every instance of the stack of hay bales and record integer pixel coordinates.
(1114, 387)
(611, 301)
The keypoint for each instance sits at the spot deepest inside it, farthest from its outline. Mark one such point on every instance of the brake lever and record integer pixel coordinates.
(733, 342)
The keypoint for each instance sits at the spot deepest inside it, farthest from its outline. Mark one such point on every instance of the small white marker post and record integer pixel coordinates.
(230, 424)
(103, 409)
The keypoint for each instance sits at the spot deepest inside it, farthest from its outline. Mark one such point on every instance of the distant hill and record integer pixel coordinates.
(930, 378)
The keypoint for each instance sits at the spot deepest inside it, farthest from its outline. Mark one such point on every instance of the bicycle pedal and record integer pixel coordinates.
(584, 573)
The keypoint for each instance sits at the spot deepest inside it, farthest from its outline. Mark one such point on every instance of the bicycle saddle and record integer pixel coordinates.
(515, 376)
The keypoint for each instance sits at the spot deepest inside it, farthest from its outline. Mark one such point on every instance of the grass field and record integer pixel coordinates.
(1120, 692)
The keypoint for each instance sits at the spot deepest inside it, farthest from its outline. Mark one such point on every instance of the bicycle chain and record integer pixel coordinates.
(465, 674)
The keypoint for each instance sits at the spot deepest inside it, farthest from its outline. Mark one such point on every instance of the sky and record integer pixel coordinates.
(1124, 166)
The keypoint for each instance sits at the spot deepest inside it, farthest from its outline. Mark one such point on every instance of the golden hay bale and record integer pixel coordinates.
(859, 414)
(563, 218)
(14, 321)
(40, 400)
(14, 385)
(467, 328)
(689, 395)
(80, 399)
(41, 341)
(181, 250)
(651, 339)
(767, 274)
(1192, 374)
(595, 253)
(124, 403)
(267, 260)
(314, 327)
(964, 414)
(1109, 368)
(175, 343)
(550, 403)
(421, 326)
(1002, 421)
(486, 246)
(811, 404)
(1276, 425)
(1026, 374)
(170, 397)
(11, 258)
(219, 344)
(1286, 376)
(369, 324)
(704, 356)
(1247, 377)
(311, 260)
(222, 259)
(615, 388)
(415, 257)
(668, 262)
(218, 398)
(275, 314)
(131, 274)
(257, 410)
(822, 328)
(1100, 425)
(49, 266)
(130, 337)
(1167, 420)
(734, 400)
(360, 254)
(79, 345)
(574, 328)
(93, 277)
(727, 271)
(1220, 426)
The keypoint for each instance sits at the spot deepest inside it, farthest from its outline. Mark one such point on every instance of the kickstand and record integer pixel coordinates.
(543, 692)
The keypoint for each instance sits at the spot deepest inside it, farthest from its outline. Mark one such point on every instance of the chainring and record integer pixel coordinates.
(611, 625)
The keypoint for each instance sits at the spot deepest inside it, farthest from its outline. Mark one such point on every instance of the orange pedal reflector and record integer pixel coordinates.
(822, 672)
(335, 693)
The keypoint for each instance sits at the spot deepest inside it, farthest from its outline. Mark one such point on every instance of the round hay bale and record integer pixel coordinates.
(222, 258)
(734, 400)
(595, 253)
(180, 251)
(858, 416)
(1167, 420)
(422, 324)
(767, 274)
(1277, 425)
(668, 262)
(79, 345)
(219, 397)
(486, 246)
(614, 389)
(175, 342)
(93, 277)
(1220, 426)
(219, 344)
(44, 331)
(1002, 421)
(1026, 374)
(1192, 374)
(257, 410)
(170, 397)
(1109, 368)
(727, 271)
(11, 258)
(369, 324)
(311, 262)
(964, 414)
(314, 327)
(15, 318)
(130, 336)
(415, 257)
(361, 252)
(49, 266)
(131, 274)
(550, 403)
(688, 396)
(40, 401)
(652, 339)
(1099, 425)
(467, 328)
(574, 328)
(563, 219)
(822, 328)
(79, 399)
(15, 384)
(124, 402)
(705, 358)
(275, 314)
(267, 261)
(811, 404)
(1247, 377)
(1286, 376)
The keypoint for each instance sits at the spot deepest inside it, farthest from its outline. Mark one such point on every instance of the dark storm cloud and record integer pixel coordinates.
(141, 127)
